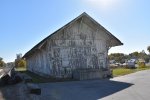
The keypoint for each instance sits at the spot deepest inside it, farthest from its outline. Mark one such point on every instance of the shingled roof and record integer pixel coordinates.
(71, 22)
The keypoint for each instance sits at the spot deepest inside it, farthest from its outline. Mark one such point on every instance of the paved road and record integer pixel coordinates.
(140, 90)
(135, 86)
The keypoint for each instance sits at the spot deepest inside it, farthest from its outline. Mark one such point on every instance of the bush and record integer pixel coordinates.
(141, 64)
(20, 63)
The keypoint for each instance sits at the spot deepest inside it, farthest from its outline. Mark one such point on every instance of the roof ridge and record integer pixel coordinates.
(72, 21)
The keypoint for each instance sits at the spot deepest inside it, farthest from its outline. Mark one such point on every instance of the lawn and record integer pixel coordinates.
(39, 79)
(124, 71)
(20, 69)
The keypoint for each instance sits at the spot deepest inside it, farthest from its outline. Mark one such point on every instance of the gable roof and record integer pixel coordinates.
(40, 44)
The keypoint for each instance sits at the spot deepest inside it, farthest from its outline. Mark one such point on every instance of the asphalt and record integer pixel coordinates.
(134, 86)
(140, 90)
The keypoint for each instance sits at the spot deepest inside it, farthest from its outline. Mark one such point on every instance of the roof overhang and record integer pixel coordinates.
(112, 40)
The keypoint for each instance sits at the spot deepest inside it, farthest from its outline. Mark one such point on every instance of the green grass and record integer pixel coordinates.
(124, 71)
(39, 79)
(21, 69)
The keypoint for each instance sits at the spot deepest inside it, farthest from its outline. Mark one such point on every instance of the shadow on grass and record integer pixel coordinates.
(40, 79)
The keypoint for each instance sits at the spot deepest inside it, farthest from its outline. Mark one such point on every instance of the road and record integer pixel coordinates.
(134, 86)
(140, 90)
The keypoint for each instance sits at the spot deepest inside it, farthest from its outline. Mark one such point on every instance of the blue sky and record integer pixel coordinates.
(24, 23)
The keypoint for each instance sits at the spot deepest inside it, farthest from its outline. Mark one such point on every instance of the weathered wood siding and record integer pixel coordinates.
(76, 47)
(38, 62)
(81, 45)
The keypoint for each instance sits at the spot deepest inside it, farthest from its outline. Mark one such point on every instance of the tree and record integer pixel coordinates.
(1, 58)
(142, 54)
(20, 63)
(134, 55)
(118, 57)
(148, 49)
(2, 63)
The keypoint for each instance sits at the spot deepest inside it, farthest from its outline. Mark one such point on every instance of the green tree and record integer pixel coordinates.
(148, 49)
(118, 57)
(134, 55)
(142, 54)
(20, 63)
(2, 63)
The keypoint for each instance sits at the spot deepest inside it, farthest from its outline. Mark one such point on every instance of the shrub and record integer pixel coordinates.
(20, 63)
(141, 64)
